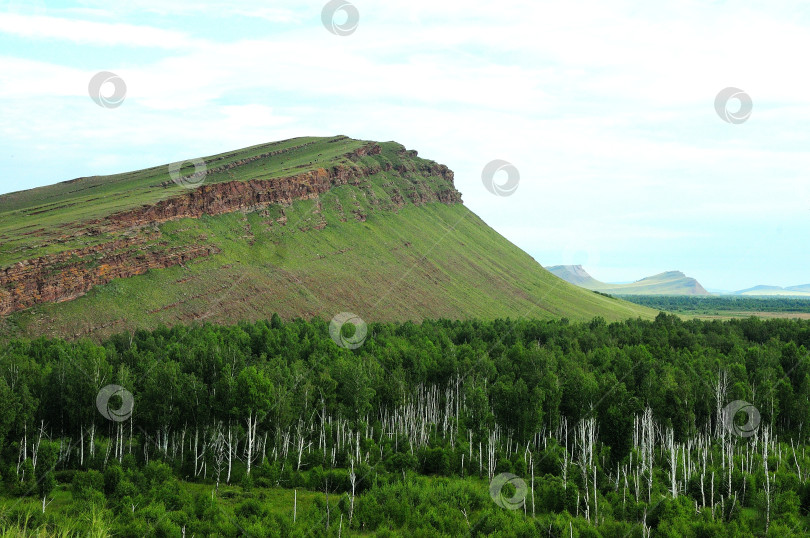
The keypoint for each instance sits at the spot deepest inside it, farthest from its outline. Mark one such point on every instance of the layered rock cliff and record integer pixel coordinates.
(67, 275)
(136, 246)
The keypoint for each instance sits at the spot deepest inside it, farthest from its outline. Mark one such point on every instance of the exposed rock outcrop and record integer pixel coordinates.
(70, 274)
(67, 275)
(219, 198)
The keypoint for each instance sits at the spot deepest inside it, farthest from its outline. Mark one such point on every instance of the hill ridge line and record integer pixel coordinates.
(673, 282)
(255, 194)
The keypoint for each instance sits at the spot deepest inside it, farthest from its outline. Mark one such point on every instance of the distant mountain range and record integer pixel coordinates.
(792, 291)
(667, 283)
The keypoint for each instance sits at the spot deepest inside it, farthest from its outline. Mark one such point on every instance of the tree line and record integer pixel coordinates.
(726, 303)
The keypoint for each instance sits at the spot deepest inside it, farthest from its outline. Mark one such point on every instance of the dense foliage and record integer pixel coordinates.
(273, 429)
(702, 304)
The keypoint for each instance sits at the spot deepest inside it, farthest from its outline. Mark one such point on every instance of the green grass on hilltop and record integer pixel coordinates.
(51, 219)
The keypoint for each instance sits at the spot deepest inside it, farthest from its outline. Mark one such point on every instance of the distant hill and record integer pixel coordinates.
(804, 288)
(303, 227)
(575, 274)
(667, 283)
(763, 291)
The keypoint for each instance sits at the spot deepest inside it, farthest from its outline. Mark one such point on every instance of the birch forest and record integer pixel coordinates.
(444, 428)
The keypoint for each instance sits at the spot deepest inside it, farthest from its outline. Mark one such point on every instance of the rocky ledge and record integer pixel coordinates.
(70, 274)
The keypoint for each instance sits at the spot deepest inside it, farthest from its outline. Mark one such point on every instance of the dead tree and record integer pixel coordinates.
(353, 480)
(765, 439)
(720, 389)
(673, 462)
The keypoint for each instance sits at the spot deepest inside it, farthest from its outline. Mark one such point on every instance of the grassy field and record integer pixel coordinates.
(727, 307)
(745, 314)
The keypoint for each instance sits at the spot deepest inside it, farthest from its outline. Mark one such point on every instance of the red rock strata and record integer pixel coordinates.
(70, 274)
(252, 195)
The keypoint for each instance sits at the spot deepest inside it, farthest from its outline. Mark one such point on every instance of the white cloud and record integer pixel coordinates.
(90, 32)
(606, 109)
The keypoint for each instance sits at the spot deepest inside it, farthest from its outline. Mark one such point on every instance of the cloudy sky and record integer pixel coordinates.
(606, 109)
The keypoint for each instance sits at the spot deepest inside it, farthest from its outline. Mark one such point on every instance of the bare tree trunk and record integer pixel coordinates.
(765, 439)
(230, 455)
(92, 440)
(196, 438)
(252, 422)
(531, 464)
(300, 446)
(720, 389)
(595, 500)
(673, 462)
(35, 447)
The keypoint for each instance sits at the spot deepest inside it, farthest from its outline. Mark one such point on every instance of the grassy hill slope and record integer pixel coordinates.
(382, 246)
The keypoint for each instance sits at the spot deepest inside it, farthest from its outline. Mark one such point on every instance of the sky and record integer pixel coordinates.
(606, 110)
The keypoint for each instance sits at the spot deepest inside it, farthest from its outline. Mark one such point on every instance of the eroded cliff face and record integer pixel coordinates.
(70, 274)
(219, 198)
